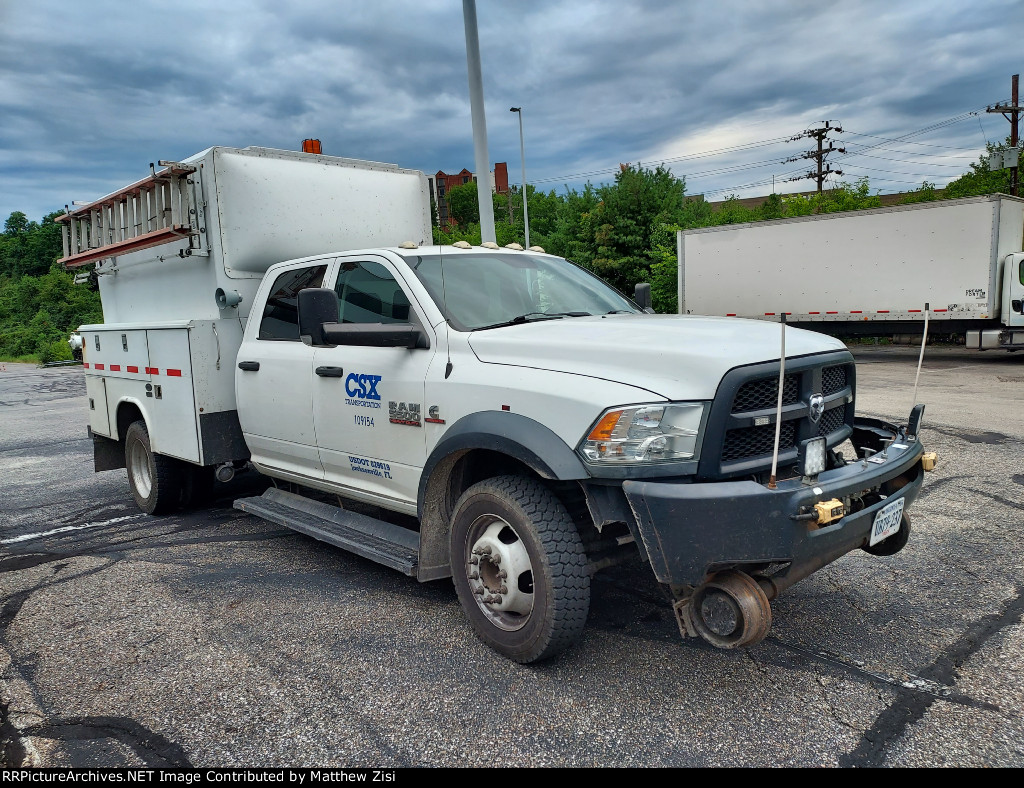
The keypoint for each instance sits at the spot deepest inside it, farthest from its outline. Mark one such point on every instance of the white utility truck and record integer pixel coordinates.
(869, 273)
(513, 422)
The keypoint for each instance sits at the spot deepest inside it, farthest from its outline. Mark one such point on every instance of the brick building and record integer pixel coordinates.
(441, 183)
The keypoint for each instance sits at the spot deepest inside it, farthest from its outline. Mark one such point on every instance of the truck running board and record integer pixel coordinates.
(385, 543)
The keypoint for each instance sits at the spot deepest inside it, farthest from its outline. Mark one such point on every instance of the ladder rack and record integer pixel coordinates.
(158, 209)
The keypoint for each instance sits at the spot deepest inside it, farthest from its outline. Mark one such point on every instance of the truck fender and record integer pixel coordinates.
(511, 434)
(121, 428)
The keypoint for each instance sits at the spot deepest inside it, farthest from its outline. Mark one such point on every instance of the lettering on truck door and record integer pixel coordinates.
(369, 416)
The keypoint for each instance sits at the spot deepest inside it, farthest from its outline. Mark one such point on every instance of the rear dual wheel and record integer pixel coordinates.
(156, 481)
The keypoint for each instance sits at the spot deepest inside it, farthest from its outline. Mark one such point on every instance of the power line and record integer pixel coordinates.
(890, 139)
(670, 160)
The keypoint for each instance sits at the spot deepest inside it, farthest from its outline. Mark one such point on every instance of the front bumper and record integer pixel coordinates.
(690, 531)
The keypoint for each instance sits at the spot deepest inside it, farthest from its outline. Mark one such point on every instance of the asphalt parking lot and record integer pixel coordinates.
(210, 638)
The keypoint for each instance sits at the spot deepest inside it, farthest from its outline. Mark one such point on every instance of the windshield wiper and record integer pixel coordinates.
(531, 317)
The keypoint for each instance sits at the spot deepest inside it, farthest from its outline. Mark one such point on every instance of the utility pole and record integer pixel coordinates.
(820, 134)
(1012, 113)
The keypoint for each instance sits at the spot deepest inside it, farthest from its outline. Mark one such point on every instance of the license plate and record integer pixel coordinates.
(887, 521)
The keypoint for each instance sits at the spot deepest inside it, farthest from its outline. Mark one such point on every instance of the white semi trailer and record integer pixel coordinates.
(869, 272)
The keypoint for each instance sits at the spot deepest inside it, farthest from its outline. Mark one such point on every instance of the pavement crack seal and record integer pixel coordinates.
(153, 748)
(12, 750)
(15, 751)
(890, 726)
(911, 684)
(998, 498)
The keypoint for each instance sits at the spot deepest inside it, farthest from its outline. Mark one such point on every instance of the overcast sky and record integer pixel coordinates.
(91, 92)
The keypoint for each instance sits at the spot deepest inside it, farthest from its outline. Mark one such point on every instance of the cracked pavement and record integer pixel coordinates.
(211, 638)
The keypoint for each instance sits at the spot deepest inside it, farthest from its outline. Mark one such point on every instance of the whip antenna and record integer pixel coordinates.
(920, 358)
(778, 406)
(447, 321)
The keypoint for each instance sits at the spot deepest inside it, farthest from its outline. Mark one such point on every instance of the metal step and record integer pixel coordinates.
(385, 543)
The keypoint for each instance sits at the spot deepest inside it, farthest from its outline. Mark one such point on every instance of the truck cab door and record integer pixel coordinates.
(273, 379)
(368, 401)
(1013, 290)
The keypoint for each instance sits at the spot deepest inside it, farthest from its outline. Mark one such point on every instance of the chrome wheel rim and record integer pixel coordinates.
(142, 476)
(500, 573)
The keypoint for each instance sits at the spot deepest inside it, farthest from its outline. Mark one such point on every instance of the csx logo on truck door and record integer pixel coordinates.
(362, 386)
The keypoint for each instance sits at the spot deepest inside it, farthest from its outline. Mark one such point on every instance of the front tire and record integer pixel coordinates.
(519, 568)
(155, 480)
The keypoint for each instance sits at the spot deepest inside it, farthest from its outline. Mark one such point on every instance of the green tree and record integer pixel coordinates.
(981, 179)
(631, 212)
(463, 206)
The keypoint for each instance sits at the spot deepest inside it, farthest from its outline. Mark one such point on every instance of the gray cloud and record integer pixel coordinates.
(91, 93)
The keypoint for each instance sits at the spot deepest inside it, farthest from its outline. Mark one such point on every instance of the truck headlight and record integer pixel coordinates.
(645, 433)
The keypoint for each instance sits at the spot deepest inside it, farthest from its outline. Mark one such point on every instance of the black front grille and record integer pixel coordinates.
(740, 433)
(832, 421)
(756, 441)
(764, 393)
(833, 379)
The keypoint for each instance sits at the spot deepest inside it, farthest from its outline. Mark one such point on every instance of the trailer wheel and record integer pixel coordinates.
(519, 568)
(894, 543)
(731, 611)
(155, 480)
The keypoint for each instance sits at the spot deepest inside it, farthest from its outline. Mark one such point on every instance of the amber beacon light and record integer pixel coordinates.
(311, 146)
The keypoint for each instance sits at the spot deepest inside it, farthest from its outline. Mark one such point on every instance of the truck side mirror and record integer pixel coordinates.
(317, 305)
(642, 296)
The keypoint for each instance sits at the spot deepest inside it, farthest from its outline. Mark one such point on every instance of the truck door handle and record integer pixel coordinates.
(330, 372)
(249, 366)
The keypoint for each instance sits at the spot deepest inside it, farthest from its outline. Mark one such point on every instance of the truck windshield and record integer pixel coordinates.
(494, 290)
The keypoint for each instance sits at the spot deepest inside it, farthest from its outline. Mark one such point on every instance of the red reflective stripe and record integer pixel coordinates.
(98, 366)
(913, 310)
(152, 371)
(115, 367)
(133, 369)
(831, 313)
(86, 365)
(814, 313)
(940, 310)
(856, 311)
(769, 314)
(174, 373)
(731, 314)
(883, 311)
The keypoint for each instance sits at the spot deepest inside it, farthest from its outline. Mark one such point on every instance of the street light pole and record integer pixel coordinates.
(522, 160)
(476, 104)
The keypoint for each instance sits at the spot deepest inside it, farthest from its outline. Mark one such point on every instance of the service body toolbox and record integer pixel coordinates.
(177, 376)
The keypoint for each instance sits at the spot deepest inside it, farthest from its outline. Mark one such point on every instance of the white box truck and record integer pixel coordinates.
(869, 272)
(517, 423)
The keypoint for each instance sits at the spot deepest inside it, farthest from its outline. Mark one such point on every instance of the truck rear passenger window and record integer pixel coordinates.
(281, 313)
